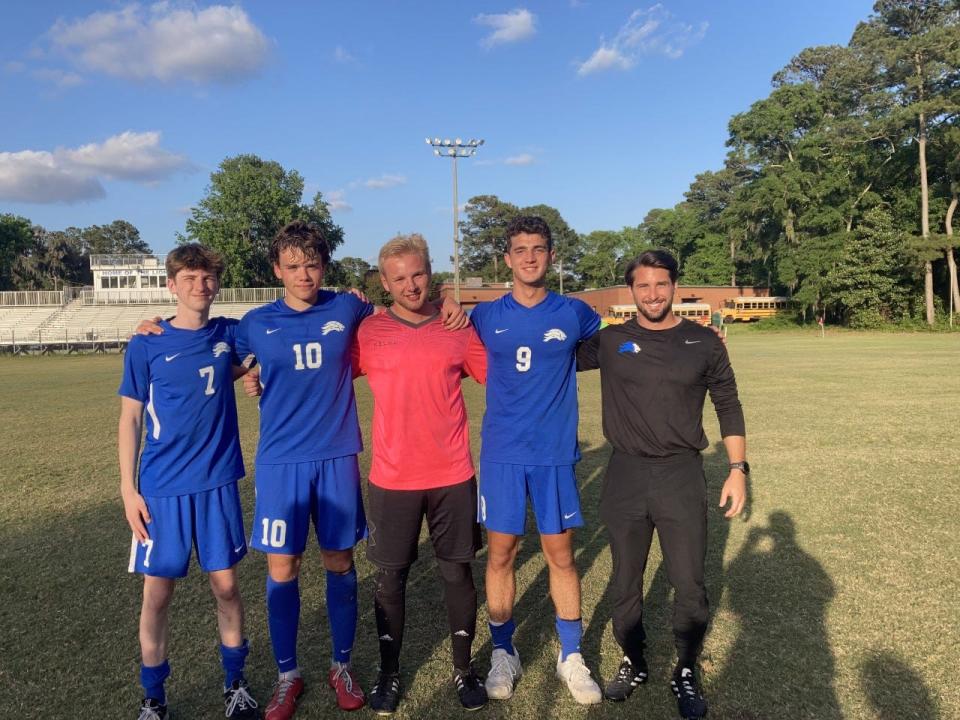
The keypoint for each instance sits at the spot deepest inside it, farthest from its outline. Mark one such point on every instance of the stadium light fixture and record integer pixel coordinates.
(455, 150)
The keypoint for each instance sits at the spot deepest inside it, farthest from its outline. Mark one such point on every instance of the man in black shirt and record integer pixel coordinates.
(654, 375)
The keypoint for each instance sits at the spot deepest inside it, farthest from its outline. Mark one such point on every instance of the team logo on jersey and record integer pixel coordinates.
(220, 348)
(629, 348)
(554, 334)
(332, 326)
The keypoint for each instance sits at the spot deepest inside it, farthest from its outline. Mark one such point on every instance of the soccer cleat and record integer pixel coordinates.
(626, 680)
(283, 704)
(686, 689)
(345, 685)
(470, 690)
(238, 702)
(150, 709)
(504, 672)
(385, 695)
(576, 675)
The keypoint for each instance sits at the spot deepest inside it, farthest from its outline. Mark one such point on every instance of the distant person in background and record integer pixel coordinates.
(185, 494)
(655, 372)
(421, 466)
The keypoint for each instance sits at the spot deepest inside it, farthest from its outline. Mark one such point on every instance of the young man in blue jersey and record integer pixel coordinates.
(530, 449)
(187, 491)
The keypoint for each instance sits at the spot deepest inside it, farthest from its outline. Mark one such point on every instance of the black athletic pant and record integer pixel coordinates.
(669, 495)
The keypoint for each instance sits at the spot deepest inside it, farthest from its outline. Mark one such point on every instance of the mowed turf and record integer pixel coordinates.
(836, 598)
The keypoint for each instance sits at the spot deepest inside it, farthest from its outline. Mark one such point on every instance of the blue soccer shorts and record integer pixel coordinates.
(210, 521)
(552, 489)
(289, 495)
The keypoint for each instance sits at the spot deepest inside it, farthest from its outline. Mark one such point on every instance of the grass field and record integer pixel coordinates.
(836, 598)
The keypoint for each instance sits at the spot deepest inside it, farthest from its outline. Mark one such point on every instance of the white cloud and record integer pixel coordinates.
(71, 175)
(127, 156)
(653, 31)
(507, 27)
(336, 199)
(55, 76)
(13, 67)
(341, 55)
(165, 42)
(385, 181)
(37, 177)
(521, 159)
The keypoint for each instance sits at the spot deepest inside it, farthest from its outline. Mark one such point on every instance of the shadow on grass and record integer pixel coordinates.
(894, 690)
(780, 664)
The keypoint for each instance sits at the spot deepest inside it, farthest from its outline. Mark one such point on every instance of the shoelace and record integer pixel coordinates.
(343, 672)
(502, 666)
(148, 713)
(282, 688)
(239, 698)
(580, 672)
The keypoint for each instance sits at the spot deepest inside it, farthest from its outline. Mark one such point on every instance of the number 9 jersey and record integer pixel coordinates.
(531, 416)
(307, 409)
(184, 378)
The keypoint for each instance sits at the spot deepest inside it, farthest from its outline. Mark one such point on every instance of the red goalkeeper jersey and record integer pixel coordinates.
(421, 439)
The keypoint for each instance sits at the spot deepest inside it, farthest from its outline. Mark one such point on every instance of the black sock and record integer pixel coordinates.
(460, 594)
(389, 604)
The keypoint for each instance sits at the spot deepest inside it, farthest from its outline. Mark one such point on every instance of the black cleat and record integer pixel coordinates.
(385, 696)
(627, 679)
(238, 703)
(470, 689)
(151, 709)
(686, 689)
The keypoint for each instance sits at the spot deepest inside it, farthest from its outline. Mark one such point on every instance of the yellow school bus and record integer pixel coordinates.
(749, 309)
(697, 312)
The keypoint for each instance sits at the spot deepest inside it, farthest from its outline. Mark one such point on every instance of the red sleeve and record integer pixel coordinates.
(475, 361)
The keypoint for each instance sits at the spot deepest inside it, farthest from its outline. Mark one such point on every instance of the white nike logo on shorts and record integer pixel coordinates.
(567, 517)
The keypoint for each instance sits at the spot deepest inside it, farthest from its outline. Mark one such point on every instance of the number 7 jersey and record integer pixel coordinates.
(531, 416)
(307, 409)
(184, 378)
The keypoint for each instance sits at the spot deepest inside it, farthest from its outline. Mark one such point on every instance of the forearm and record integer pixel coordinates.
(128, 444)
(736, 446)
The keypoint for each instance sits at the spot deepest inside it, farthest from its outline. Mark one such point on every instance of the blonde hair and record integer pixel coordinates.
(412, 244)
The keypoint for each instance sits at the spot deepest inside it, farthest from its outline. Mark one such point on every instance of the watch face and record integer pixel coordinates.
(745, 466)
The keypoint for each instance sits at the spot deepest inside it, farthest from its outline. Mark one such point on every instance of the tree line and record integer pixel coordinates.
(839, 189)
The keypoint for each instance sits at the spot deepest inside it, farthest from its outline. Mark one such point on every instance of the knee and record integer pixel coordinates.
(283, 568)
(226, 591)
(390, 584)
(501, 559)
(338, 561)
(561, 559)
(156, 597)
(456, 573)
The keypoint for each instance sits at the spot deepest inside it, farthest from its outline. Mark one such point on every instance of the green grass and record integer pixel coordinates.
(837, 598)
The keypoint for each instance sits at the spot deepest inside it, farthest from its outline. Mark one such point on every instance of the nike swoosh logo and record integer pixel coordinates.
(691, 342)
(497, 332)
(171, 357)
(271, 332)
(567, 517)
(238, 549)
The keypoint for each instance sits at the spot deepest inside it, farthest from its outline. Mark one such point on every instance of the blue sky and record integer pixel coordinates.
(603, 109)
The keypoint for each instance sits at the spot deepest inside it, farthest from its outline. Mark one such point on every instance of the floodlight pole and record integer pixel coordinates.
(455, 149)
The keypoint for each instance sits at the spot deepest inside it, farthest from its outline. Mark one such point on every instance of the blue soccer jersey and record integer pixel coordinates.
(184, 378)
(307, 410)
(531, 416)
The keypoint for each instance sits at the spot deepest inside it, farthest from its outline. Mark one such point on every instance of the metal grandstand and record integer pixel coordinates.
(88, 320)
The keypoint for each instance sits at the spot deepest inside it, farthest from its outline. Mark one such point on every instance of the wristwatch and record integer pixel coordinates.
(743, 467)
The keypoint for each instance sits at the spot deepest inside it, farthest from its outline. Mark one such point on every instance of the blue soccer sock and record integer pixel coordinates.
(152, 679)
(342, 612)
(283, 614)
(233, 660)
(570, 632)
(501, 634)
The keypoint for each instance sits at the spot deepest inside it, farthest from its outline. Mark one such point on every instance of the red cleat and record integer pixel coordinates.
(283, 704)
(345, 685)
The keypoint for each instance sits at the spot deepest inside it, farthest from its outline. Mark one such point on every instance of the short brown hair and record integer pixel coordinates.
(660, 259)
(303, 236)
(194, 256)
(412, 244)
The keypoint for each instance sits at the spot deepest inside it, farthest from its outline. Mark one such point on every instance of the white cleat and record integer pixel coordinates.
(577, 677)
(504, 672)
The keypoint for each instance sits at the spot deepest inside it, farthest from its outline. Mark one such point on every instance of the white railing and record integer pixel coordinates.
(115, 261)
(61, 336)
(31, 297)
(159, 296)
